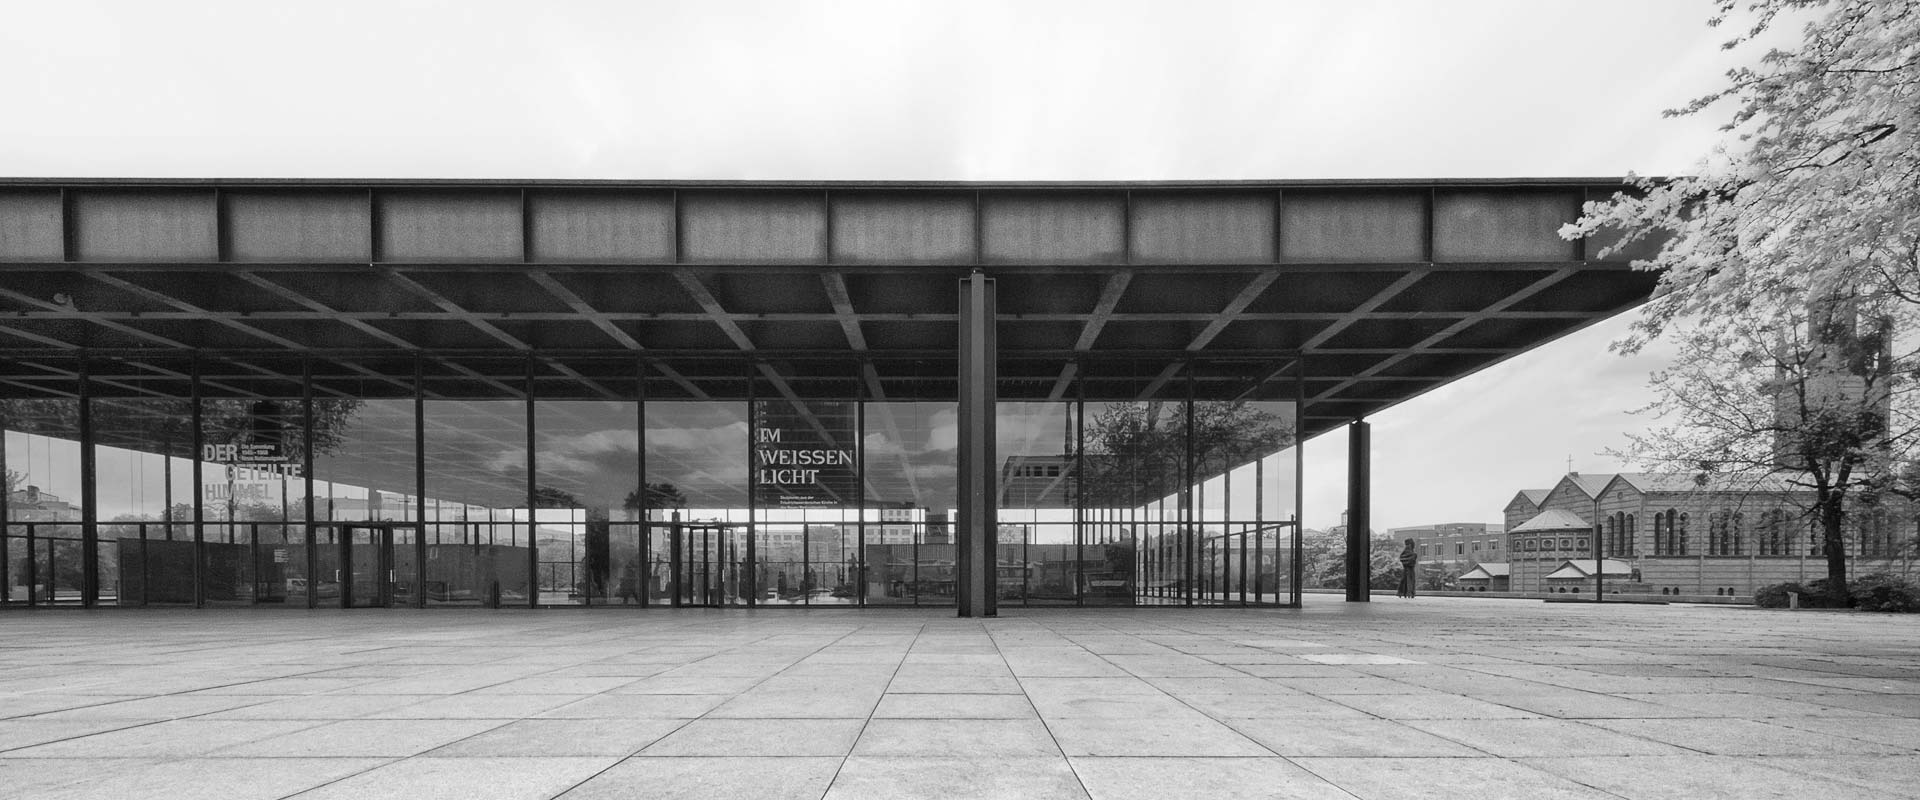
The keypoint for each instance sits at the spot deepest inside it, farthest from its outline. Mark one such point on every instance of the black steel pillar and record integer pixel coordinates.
(312, 545)
(89, 499)
(533, 491)
(1359, 501)
(200, 495)
(753, 476)
(977, 525)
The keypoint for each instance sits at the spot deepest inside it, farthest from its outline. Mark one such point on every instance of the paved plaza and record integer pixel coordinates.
(1439, 697)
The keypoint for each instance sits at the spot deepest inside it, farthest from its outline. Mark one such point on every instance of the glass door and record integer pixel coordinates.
(367, 574)
(709, 560)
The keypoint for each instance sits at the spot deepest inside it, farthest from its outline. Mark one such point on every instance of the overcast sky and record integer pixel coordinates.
(973, 90)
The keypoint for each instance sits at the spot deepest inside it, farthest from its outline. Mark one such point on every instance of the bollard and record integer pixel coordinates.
(1793, 599)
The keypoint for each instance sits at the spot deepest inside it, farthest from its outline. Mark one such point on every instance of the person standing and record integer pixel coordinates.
(1408, 560)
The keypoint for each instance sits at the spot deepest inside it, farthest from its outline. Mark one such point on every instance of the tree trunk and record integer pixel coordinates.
(1833, 540)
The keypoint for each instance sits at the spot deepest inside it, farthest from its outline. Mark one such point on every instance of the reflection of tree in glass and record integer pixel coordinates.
(659, 497)
(166, 425)
(598, 559)
(1136, 452)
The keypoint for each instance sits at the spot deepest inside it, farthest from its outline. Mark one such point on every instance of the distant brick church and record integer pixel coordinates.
(1671, 535)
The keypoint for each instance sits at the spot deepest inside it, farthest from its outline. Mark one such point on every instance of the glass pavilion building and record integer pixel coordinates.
(366, 394)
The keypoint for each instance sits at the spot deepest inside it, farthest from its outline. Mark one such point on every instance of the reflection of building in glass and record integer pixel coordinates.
(32, 505)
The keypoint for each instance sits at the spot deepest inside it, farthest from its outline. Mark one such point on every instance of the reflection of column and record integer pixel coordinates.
(976, 528)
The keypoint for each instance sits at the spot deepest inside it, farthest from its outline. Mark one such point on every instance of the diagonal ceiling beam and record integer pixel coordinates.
(1443, 334)
(715, 312)
(1110, 294)
(1372, 304)
(843, 311)
(581, 307)
(703, 297)
(600, 320)
(1326, 334)
(440, 301)
(104, 323)
(301, 299)
(1247, 295)
(163, 298)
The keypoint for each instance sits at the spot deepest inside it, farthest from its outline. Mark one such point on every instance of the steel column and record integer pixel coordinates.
(533, 491)
(977, 526)
(306, 476)
(1359, 500)
(200, 492)
(753, 484)
(89, 498)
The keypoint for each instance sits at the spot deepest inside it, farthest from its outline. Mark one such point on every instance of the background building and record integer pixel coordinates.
(1456, 546)
(1671, 535)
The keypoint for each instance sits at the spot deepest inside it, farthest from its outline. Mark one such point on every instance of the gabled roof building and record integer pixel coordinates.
(1677, 535)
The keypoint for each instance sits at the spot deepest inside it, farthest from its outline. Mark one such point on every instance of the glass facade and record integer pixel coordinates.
(441, 483)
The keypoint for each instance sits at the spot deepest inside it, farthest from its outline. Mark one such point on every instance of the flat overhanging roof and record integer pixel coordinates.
(1368, 292)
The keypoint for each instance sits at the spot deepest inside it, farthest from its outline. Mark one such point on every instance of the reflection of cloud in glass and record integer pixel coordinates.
(508, 460)
(878, 444)
(731, 438)
(1030, 428)
(943, 431)
(587, 452)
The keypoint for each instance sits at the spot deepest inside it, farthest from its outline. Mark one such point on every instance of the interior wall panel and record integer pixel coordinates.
(450, 226)
(30, 226)
(1348, 227)
(1502, 226)
(1202, 228)
(902, 228)
(586, 227)
(141, 225)
(298, 226)
(1053, 228)
(773, 227)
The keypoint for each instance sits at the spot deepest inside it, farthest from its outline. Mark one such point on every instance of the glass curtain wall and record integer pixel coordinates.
(909, 451)
(587, 459)
(422, 492)
(500, 551)
(1244, 501)
(251, 497)
(143, 462)
(1134, 462)
(44, 553)
(1039, 555)
(806, 485)
(697, 486)
(364, 480)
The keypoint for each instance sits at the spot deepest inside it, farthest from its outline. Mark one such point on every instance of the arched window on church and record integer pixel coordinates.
(1627, 532)
(1777, 535)
(1716, 531)
(1736, 531)
(1660, 533)
(1678, 532)
(1873, 531)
